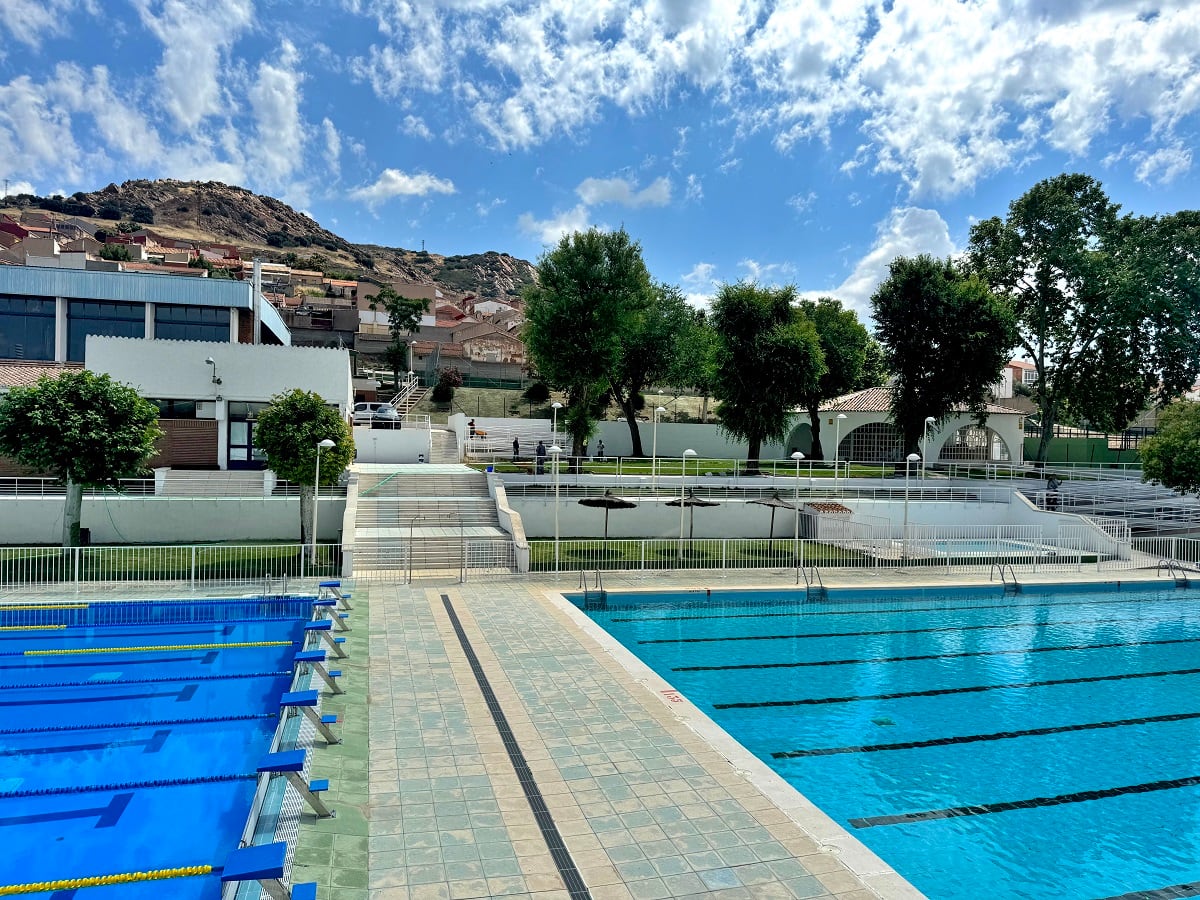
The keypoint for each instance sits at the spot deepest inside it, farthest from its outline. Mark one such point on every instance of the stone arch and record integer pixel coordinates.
(872, 442)
(799, 438)
(974, 443)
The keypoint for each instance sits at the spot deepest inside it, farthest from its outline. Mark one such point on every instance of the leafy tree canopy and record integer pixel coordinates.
(404, 313)
(945, 336)
(588, 289)
(1171, 457)
(85, 428)
(1106, 306)
(768, 358)
(844, 343)
(290, 428)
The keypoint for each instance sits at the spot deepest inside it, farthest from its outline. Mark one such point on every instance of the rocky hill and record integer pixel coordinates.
(211, 211)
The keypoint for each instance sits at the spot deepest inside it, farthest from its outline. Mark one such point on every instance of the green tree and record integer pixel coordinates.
(115, 252)
(650, 343)
(1171, 456)
(844, 343)
(945, 336)
(395, 355)
(404, 317)
(587, 288)
(768, 359)
(288, 431)
(87, 429)
(1106, 306)
(695, 362)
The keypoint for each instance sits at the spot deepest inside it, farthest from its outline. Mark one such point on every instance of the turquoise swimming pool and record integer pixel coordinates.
(1042, 745)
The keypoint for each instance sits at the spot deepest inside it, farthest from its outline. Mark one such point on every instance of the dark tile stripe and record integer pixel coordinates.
(809, 612)
(973, 689)
(975, 738)
(1171, 892)
(939, 628)
(925, 656)
(567, 869)
(984, 809)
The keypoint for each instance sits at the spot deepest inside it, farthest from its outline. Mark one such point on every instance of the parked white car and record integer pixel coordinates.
(364, 412)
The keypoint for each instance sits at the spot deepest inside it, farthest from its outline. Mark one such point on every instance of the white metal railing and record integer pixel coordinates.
(405, 561)
(52, 487)
(190, 564)
(405, 389)
(857, 545)
(573, 486)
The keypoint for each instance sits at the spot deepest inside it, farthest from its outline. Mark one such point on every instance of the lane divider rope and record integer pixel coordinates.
(220, 676)
(154, 723)
(31, 627)
(152, 648)
(126, 786)
(69, 884)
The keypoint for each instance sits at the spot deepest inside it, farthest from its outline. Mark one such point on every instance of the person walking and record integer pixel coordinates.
(516, 448)
(540, 453)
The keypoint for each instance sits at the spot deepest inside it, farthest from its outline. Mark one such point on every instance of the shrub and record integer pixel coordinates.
(538, 392)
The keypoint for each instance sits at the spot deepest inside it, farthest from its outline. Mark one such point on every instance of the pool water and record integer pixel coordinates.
(131, 735)
(1042, 745)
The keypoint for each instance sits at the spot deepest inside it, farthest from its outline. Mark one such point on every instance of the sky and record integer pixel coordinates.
(804, 142)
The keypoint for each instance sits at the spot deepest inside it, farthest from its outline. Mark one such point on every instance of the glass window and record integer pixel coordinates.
(191, 323)
(175, 409)
(26, 328)
(86, 317)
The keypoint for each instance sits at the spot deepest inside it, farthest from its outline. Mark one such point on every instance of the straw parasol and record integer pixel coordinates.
(775, 502)
(691, 501)
(607, 501)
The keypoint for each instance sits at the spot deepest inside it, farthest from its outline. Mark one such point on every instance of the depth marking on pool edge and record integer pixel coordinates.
(938, 692)
(974, 738)
(981, 809)
(567, 869)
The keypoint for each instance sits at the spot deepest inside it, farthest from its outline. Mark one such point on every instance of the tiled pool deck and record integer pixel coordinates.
(638, 794)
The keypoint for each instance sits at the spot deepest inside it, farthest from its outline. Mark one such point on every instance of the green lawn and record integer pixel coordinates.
(701, 554)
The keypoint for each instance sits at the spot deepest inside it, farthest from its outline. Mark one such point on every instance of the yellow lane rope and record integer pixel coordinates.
(30, 627)
(38, 606)
(158, 648)
(68, 884)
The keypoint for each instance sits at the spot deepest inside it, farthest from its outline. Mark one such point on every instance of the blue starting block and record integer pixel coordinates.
(290, 764)
(315, 660)
(306, 702)
(264, 863)
(324, 607)
(322, 628)
(334, 589)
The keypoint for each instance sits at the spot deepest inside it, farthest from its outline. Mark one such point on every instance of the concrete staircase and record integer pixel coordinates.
(443, 447)
(185, 483)
(426, 520)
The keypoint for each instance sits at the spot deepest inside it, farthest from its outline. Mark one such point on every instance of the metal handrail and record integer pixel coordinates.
(1175, 569)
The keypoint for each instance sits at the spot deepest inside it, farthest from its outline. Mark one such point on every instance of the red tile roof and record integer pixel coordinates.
(22, 373)
(878, 400)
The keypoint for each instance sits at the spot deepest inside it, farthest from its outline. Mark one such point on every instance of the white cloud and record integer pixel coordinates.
(394, 183)
(768, 273)
(333, 145)
(20, 187)
(1163, 165)
(699, 285)
(624, 192)
(484, 209)
(29, 21)
(196, 38)
(549, 231)
(907, 231)
(695, 188)
(35, 128)
(415, 126)
(802, 202)
(281, 133)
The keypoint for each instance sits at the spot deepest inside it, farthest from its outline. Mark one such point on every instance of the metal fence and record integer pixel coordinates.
(264, 566)
(857, 545)
(461, 558)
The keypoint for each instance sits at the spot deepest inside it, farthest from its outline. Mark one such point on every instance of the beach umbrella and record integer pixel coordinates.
(607, 501)
(775, 502)
(691, 501)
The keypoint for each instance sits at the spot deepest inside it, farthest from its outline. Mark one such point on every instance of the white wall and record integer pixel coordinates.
(390, 445)
(166, 520)
(250, 372)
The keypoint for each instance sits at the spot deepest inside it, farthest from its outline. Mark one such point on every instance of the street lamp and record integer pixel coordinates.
(683, 494)
(908, 461)
(654, 450)
(929, 420)
(797, 456)
(555, 450)
(555, 406)
(326, 444)
(837, 439)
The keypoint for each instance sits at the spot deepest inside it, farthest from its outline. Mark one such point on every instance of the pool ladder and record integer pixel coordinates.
(814, 585)
(1010, 587)
(593, 600)
(1175, 570)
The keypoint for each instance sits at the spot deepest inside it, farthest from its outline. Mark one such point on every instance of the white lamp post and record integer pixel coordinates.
(555, 407)
(683, 494)
(797, 456)
(555, 450)
(654, 450)
(837, 439)
(321, 445)
(908, 461)
(929, 420)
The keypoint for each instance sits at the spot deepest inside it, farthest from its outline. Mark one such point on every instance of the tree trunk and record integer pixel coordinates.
(753, 445)
(72, 514)
(814, 420)
(306, 511)
(1043, 448)
(635, 433)
(704, 410)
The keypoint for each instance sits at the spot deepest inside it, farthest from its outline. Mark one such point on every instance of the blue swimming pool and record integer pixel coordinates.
(1042, 745)
(131, 734)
